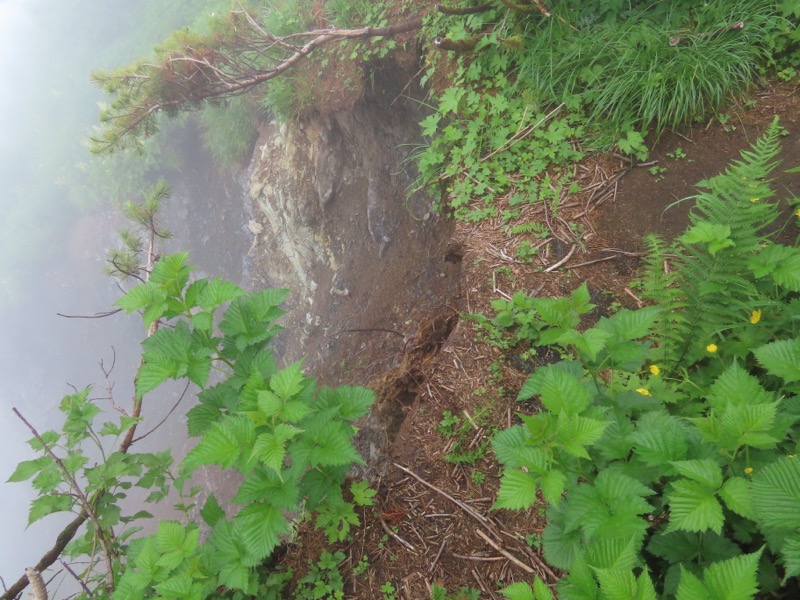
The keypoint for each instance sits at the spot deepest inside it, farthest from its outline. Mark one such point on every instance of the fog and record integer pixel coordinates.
(60, 218)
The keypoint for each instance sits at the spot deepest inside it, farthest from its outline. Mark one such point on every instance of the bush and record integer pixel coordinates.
(667, 439)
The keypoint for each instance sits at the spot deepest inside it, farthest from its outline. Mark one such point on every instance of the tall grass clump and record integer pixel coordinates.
(647, 69)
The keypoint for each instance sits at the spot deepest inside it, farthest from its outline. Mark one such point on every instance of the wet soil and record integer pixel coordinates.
(433, 522)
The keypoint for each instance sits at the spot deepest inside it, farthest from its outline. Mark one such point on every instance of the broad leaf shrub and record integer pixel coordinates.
(290, 441)
(666, 440)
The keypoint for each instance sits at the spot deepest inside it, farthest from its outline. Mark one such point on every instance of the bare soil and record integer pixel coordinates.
(433, 521)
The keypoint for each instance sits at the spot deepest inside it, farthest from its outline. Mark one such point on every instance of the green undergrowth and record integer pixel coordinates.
(289, 441)
(666, 440)
(526, 95)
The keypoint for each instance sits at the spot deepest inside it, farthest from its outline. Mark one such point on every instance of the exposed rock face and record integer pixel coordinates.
(340, 229)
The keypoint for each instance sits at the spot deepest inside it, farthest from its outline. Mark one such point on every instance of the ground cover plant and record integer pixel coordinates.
(528, 91)
(290, 441)
(667, 437)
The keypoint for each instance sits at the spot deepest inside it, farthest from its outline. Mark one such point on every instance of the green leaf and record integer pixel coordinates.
(153, 374)
(791, 555)
(223, 444)
(776, 494)
(230, 557)
(289, 381)
(558, 391)
(47, 505)
(216, 293)
(270, 450)
(781, 262)
(781, 359)
(659, 439)
(705, 471)
(574, 433)
(552, 483)
(139, 297)
(716, 235)
(363, 495)
(520, 591)
(28, 468)
(693, 507)
(735, 492)
(517, 490)
(212, 511)
(262, 484)
(732, 579)
(171, 274)
(259, 527)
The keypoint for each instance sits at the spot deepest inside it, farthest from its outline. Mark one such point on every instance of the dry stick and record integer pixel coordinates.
(78, 492)
(505, 552)
(100, 315)
(552, 268)
(438, 554)
(465, 507)
(78, 579)
(392, 534)
(591, 262)
(164, 420)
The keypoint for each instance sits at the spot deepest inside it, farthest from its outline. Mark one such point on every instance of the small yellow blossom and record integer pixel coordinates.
(797, 213)
(755, 316)
(711, 348)
(748, 470)
(754, 199)
(655, 370)
(643, 391)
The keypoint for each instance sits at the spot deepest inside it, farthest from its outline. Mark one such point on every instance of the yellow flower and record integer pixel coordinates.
(797, 213)
(643, 391)
(755, 316)
(748, 470)
(711, 348)
(754, 199)
(655, 370)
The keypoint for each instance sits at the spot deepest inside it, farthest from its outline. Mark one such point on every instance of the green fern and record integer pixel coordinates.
(711, 278)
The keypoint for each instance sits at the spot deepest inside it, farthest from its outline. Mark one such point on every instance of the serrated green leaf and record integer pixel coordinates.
(715, 235)
(264, 485)
(223, 444)
(552, 483)
(776, 494)
(216, 293)
(520, 591)
(574, 433)
(617, 584)
(781, 359)
(171, 274)
(790, 553)
(28, 468)
(153, 374)
(733, 579)
(659, 439)
(47, 505)
(517, 490)
(230, 557)
(691, 587)
(704, 471)
(558, 391)
(270, 450)
(259, 527)
(693, 507)
(139, 297)
(363, 495)
(735, 492)
(289, 381)
(212, 511)
(177, 586)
